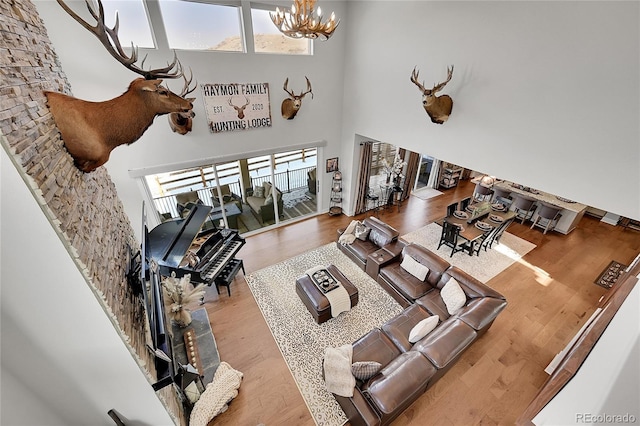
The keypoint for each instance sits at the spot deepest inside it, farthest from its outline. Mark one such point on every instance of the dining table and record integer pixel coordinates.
(477, 220)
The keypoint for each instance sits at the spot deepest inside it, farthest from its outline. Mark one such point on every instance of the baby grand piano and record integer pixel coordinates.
(194, 246)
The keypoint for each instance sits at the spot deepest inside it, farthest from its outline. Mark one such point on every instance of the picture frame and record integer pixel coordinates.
(332, 165)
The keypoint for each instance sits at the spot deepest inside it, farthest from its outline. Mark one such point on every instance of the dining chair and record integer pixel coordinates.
(464, 203)
(450, 237)
(500, 193)
(482, 193)
(524, 207)
(548, 217)
(451, 208)
(495, 237)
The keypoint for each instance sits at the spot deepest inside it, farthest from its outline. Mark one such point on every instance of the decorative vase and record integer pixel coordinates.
(181, 316)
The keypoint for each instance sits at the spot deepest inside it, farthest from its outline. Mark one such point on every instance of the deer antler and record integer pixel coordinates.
(286, 89)
(414, 79)
(440, 86)
(309, 90)
(109, 39)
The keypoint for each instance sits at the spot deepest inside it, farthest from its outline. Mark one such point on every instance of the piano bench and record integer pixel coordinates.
(228, 273)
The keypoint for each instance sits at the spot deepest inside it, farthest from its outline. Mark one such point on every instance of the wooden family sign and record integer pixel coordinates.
(236, 106)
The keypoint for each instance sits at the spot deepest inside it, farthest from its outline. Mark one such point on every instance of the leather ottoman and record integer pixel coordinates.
(315, 300)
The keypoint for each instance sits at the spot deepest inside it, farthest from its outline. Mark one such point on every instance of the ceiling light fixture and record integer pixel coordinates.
(303, 22)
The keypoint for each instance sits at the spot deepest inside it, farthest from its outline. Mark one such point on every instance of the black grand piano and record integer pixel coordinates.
(195, 246)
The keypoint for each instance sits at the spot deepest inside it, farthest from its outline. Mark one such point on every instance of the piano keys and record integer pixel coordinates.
(194, 246)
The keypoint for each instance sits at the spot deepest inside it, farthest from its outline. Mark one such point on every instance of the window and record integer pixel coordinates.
(294, 177)
(134, 22)
(267, 38)
(202, 26)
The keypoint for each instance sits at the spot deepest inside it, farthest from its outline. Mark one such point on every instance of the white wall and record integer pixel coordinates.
(56, 339)
(95, 75)
(544, 93)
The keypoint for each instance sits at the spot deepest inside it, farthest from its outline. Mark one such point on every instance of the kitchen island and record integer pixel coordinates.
(571, 211)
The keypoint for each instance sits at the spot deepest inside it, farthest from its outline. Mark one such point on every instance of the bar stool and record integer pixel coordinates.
(375, 201)
(482, 193)
(524, 207)
(500, 195)
(548, 217)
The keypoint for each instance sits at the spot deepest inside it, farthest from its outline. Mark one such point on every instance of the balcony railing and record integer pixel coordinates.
(286, 181)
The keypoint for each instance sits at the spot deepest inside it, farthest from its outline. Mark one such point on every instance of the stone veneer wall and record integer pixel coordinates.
(83, 208)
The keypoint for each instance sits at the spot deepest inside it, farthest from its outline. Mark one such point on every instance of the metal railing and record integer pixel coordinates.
(286, 181)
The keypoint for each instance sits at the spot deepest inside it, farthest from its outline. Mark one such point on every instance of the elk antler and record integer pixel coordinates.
(286, 89)
(186, 89)
(109, 39)
(302, 94)
(436, 88)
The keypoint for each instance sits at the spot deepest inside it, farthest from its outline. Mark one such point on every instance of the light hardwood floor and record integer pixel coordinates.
(550, 294)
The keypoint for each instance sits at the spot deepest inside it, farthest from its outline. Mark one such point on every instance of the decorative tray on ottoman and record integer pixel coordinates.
(324, 280)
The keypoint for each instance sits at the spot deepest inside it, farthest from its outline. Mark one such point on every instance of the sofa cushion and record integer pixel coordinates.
(453, 296)
(414, 267)
(398, 384)
(381, 234)
(437, 265)
(447, 342)
(423, 328)
(267, 188)
(405, 283)
(363, 370)
(433, 303)
(479, 313)
(375, 346)
(398, 327)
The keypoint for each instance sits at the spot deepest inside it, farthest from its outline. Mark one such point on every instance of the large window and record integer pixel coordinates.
(133, 22)
(202, 26)
(267, 38)
(244, 189)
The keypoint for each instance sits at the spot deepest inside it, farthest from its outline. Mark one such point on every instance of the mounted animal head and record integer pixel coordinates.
(181, 122)
(292, 104)
(91, 130)
(239, 109)
(438, 107)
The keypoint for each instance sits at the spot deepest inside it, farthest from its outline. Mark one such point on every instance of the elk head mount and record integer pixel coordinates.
(438, 107)
(91, 130)
(292, 104)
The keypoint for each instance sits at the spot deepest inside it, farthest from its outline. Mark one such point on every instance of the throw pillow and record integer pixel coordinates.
(258, 191)
(379, 239)
(267, 188)
(363, 370)
(423, 328)
(362, 231)
(414, 267)
(453, 296)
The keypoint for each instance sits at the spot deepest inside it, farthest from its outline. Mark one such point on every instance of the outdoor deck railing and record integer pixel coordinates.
(286, 181)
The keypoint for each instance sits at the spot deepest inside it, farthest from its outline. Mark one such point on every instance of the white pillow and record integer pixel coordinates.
(414, 267)
(453, 296)
(423, 328)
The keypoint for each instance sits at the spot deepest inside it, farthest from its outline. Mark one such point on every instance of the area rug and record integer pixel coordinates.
(610, 275)
(426, 193)
(483, 267)
(302, 341)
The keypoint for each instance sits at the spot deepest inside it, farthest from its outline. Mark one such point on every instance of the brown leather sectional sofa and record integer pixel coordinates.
(380, 236)
(409, 369)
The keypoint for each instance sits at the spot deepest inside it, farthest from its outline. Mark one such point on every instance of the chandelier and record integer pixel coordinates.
(303, 22)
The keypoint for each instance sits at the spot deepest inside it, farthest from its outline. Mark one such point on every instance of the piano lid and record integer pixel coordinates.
(170, 240)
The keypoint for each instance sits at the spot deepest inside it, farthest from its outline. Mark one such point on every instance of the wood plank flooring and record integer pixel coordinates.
(550, 294)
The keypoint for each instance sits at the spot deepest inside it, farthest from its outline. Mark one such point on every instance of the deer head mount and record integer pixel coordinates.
(91, 130)
(239, 109)
(292, 104)
(438, 107)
